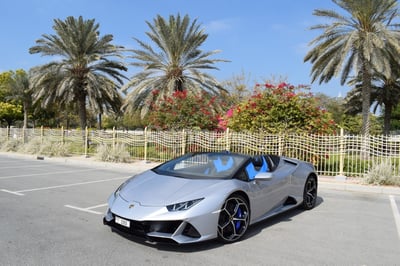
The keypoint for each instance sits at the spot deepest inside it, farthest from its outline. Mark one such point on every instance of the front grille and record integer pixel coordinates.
(142, 228)
(168, 227)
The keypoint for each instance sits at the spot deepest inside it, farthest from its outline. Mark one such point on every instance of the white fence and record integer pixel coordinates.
(331, 154)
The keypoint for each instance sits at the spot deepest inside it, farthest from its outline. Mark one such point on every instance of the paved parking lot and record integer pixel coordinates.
(51, 214)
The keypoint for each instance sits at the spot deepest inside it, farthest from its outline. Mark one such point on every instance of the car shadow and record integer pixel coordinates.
(252, 231)
(287, 216)
(187, 248)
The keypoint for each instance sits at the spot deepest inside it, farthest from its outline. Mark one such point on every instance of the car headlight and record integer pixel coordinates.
(183, 206)
(116, 193)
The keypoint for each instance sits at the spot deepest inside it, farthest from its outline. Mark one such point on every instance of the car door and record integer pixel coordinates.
(268, 194)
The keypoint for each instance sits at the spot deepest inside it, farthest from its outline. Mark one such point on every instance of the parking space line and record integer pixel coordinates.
(89, 210)
(19, 166)
(49, 173)
(21, 192)
(396, 213)
(97, 206)
(12, 192)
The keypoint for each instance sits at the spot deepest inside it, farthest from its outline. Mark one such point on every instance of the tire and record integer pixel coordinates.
(310, 193)
(233, 219)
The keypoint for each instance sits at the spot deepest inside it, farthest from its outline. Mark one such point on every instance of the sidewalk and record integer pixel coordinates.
(326, 182)
(331, 182)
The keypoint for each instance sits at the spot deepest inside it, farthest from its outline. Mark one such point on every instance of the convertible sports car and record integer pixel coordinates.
(201, 196)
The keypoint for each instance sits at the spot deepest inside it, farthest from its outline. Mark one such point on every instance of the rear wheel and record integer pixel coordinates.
(310, 193)
(233, 219)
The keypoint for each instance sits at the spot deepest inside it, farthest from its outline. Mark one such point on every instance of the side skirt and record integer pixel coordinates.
(288, 204)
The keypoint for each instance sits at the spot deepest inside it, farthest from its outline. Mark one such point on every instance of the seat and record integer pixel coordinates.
(273, 161)
(258, 162)
(257, 165)
(223, 165)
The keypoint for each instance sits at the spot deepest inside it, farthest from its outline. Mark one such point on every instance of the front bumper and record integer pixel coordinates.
(178, 232)
(157, 224)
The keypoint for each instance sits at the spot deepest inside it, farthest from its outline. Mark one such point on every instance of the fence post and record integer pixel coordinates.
(23, 135)
(342, 152)
(183, 142)
(145, 144)
(227, 140)
(280, 144)
(62, 135)
(113, 138)
(86, 141)
(41, 134)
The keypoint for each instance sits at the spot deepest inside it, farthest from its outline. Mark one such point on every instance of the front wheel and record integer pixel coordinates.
(310, 193)
(233, 219)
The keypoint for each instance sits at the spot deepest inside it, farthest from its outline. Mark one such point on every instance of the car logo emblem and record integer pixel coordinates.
(131, 206)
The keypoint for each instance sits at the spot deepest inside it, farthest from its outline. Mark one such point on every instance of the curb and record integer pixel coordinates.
(87, 161)
(343, 185)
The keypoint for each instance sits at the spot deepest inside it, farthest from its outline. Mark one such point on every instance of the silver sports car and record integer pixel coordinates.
(201, 196)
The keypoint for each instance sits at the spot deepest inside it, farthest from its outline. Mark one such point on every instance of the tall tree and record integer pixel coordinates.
(10, 112)
(175, 64)
(88, 72)
(385, 93)
(358, 43)
(238, 87)
(19, 89)
(333, 105)
(5, 79)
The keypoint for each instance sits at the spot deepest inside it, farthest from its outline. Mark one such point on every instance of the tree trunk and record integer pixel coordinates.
(366, 98)
(82, 118)
(386, 119)
(82, 111)
(26, 105)
(178, 85)
(99, 125)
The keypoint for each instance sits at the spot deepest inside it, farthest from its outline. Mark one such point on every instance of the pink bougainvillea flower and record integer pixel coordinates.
(283, 85)
(269, 85)
(229, 113)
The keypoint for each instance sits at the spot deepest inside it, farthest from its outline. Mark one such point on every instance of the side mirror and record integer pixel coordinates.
(264, 176)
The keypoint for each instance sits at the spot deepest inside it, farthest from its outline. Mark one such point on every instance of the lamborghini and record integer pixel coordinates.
(210, 195)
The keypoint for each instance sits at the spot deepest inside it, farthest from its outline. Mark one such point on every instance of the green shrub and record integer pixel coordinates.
(280, 108)
(330, 165)
(355, 166)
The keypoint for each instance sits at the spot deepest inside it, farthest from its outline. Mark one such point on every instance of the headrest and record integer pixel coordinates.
(258, 161)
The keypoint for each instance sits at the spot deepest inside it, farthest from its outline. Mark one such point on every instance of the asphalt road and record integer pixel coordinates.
(51, 214)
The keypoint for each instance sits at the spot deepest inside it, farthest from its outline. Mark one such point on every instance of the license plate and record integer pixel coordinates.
(122, 222)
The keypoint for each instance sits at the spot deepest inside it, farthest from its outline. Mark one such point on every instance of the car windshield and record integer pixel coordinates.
(203, 165)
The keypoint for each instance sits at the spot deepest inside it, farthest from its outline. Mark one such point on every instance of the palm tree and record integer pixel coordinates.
(359, 44)
(385, 92)
(87, 73)
(174, 65)
(387, 96)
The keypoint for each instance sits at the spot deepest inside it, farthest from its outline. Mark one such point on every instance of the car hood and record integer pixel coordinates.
(151, 189)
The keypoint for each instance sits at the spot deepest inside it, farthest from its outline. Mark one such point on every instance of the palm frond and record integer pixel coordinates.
(174, 62)
(84, 73)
